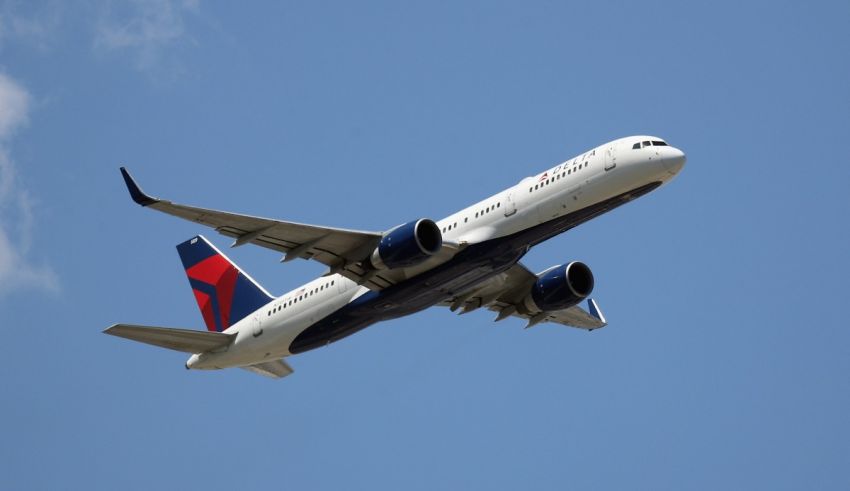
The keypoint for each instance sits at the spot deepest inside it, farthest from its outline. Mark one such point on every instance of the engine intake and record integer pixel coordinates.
(407, 245)
(560, 288)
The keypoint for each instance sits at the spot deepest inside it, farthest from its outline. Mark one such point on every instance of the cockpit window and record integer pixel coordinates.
(646, 144)
(658, 143)
(636, 146)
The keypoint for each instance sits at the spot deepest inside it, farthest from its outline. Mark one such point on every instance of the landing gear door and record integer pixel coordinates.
(611, 157)
(510, 205)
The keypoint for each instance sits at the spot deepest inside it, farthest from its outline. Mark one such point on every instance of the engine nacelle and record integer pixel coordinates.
(560, 288)
(407, 245)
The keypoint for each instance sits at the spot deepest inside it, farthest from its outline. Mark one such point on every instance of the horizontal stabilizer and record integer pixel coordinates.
(273, 369)
(185, 340)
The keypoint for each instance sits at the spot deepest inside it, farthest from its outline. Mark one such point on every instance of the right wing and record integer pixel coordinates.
(185, 340)
(340, 249)
(505, 294)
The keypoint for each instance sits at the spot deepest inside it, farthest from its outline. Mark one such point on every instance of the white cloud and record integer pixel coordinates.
(16, 217)
(33, 24)
(150, 29)
(14, 106)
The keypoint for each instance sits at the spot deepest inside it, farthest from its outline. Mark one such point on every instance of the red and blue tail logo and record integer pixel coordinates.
(224, 293)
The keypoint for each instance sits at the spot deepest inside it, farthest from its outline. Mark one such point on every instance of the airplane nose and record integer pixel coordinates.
(674, 160)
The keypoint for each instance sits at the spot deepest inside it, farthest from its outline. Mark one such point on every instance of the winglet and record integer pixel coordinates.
(595, 311)
(136, 192)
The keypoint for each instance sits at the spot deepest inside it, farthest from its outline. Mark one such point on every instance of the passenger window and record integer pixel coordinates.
(466, 219)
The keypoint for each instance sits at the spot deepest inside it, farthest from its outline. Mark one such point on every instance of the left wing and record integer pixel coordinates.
(340, 249)
(505, 292)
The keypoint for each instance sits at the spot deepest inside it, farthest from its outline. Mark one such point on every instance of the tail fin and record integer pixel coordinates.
(225, 294)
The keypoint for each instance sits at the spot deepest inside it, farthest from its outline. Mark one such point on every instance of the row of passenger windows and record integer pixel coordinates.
(477, 214)
(558, 177)
(656, 143)
(290, 302)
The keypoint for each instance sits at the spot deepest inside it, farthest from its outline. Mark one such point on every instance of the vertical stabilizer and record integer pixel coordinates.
(225, 294)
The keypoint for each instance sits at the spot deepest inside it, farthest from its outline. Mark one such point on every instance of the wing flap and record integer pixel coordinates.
(185, 340)
(271, 369)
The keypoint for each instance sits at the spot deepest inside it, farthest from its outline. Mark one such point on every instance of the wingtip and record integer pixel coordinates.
(136, 192)
(595, 311)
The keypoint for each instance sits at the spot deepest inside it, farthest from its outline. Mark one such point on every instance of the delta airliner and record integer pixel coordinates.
(466, 261)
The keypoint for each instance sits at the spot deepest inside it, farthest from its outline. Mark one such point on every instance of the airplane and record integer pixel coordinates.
(466, 261)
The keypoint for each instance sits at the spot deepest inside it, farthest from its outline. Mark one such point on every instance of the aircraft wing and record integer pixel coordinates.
(505, 292)
(340, 249)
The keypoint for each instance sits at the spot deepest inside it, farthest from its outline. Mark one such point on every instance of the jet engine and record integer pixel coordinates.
(560, 288)
(407, 245)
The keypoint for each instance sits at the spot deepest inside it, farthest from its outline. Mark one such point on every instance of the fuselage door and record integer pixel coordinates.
(510, 205)
(611, 157)
(257, 328)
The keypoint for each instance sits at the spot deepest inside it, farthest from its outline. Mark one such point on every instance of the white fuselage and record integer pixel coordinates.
(595, 176)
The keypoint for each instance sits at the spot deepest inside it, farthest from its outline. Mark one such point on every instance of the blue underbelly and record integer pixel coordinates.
(469, 267)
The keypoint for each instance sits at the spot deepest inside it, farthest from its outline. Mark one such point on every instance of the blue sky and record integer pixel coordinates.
(726, 361)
